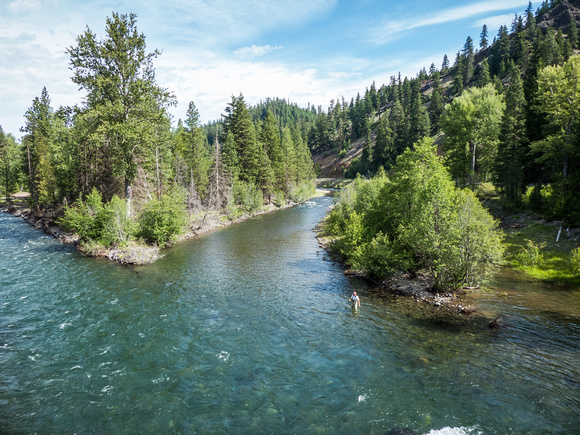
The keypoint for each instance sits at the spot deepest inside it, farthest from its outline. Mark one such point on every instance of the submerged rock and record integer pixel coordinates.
(496, 323)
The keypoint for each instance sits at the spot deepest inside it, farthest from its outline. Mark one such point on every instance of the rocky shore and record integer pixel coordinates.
(418, 286)
(135, 253)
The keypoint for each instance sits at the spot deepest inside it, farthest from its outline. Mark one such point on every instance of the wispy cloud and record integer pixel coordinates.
(494, 22)
(389, 30)
(255, 51)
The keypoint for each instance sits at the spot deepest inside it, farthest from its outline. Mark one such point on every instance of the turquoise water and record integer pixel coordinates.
(241, 331)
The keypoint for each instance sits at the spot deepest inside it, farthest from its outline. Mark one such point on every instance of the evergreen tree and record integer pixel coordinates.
(38, 129)
(445, 65)
(290, 157)
(270, 138)
(501, 52)
(220, 181)
(400, 126)
(122, 95)
(249, 152)
(512, 147)
(483, 42)
(484, 77)
(196, 152)
(304, 164)
(530, 19)
(468, 56)
(420, 125)
(384, 151)
(230, 156)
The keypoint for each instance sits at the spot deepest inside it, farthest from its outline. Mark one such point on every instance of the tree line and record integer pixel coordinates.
(119, 143)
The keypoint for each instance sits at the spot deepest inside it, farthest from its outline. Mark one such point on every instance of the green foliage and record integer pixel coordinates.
(161, 221)
(531, 255)
(415, 220)
(106, 224)
(471, 124)
(301, 191)
(247, 197)
(575, 261)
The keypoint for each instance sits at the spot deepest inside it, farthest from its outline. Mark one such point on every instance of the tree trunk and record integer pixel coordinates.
(128, 195)
(473, 158)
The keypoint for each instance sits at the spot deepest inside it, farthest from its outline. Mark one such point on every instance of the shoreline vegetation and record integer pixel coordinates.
(414, 233)
(134, 253)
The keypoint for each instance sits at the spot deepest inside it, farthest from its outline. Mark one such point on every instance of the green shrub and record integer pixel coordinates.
(161, 221)
(106, 224)
(301, 191)
(575, 261)
(416, 219)
(88, 218)
(247, 196)
(532, 254)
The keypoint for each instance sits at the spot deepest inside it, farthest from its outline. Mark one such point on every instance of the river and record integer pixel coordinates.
(243, 330)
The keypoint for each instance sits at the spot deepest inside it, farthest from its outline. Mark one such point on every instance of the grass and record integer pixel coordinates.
(532, 248)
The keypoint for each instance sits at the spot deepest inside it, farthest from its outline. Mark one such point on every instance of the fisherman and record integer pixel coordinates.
(355, 299)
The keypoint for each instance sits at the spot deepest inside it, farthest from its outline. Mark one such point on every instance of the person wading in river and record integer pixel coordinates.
(355, 300)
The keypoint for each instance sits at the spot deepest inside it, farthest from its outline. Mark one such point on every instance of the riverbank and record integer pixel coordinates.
(418, 286)
(135, 253)
(536, 249)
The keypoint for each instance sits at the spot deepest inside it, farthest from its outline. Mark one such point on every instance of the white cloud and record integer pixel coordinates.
(256, 51)
(494, 23)
(391, 30)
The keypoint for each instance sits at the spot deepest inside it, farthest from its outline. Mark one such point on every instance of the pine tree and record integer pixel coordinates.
(290, 159)
(123, 98)
(384, 151)
(196, 152)
(445, 65)
(238, 121)
(270, 138)
(483, 42)
(573, 35)
(400, 126)
(468, 59)
(304, 164)
(484, 77)
(38, 129)
(418, 118)
(512, 147)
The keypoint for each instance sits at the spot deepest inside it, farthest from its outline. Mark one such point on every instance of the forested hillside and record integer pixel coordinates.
(503, 114)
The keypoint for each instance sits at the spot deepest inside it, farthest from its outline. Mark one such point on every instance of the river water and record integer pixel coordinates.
(244, 330)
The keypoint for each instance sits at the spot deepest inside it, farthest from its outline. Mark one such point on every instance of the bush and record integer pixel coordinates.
(301, 191)
(161, 221)
(106, 224)
(575, 261)
(247, 196)
(532, 255)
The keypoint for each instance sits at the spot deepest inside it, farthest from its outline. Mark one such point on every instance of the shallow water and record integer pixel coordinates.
(243, 330)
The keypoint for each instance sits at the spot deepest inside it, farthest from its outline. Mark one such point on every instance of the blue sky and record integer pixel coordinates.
(307, 51)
